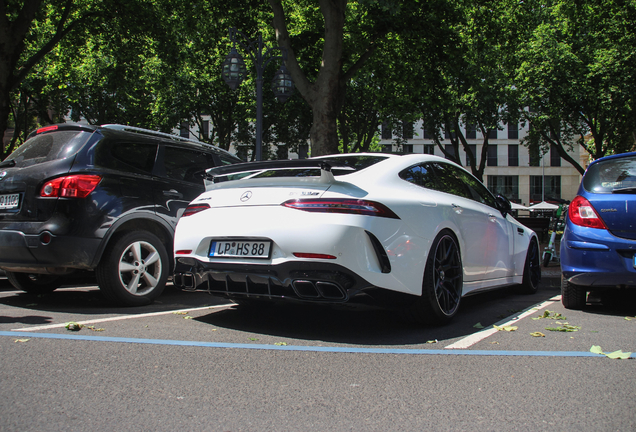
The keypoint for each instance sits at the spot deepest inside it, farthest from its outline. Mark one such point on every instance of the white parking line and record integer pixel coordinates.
(124, 317)
(471, 340)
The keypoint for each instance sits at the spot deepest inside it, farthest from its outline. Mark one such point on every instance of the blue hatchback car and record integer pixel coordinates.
(598, 248)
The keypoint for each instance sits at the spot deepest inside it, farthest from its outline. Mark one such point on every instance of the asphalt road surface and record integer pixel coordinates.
(191, 362)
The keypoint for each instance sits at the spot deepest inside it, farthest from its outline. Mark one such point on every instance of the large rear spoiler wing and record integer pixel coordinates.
(222, 173)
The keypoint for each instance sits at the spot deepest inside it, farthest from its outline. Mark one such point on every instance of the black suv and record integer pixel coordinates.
(104, 198)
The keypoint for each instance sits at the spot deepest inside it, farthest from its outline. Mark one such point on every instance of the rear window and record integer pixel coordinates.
(612, 176)
(48, 147)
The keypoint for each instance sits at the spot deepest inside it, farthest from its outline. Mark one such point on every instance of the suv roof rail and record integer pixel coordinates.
(134, 129)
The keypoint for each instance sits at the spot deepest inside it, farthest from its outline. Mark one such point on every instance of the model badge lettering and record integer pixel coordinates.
(612, 210)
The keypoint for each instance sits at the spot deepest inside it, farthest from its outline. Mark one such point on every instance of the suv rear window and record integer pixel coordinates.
(48, 147)
(611, 176)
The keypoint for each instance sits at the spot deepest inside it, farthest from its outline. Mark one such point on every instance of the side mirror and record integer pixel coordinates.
(503, 204)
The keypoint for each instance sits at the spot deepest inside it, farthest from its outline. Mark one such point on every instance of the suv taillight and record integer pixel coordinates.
(583, 214)
(74, 186)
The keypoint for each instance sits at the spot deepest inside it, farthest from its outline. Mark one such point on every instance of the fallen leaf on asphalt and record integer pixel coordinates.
(94, 329)
(432, 341)
(478, 326)
(505, 328)
(179, 313)
(537, 334)
(565, 327)
(550, 315)
(281, 343)
(73, 326)
(613, 355)
(187, 317)
(628, 318)
(21, 340)
(619, 355)
(253, 339)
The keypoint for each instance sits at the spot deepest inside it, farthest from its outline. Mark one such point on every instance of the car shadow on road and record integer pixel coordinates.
(83, 297)
(374, 327)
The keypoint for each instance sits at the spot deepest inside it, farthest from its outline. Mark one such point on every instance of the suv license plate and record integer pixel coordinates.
(9, 201)
(240, 249)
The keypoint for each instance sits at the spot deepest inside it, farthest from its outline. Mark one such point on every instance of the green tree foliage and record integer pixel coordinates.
(576, 72)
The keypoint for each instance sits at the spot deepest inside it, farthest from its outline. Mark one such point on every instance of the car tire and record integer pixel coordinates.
(134, 269)
(572, 296)
(547, 257)
(443, 283)
(531, 270)
(34, 283)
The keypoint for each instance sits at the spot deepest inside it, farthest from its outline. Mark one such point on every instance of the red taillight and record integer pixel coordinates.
(195, 208)
(313, 255)
(583, 214)
(338, 205)
(46, 129)
(75, 186)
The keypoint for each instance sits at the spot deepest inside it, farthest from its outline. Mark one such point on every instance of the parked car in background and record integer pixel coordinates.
(104, 198)
(598, 247)
(417, 231)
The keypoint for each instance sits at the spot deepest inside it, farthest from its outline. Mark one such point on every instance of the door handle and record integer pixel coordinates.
(172, 193)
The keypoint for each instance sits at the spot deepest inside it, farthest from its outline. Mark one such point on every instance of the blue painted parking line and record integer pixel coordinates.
(302, 347)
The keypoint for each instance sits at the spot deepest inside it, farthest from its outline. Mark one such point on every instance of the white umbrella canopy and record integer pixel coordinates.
(516, 206)
(543, 206)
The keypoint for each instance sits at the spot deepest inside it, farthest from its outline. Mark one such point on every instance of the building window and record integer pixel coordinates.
(408, 148)
(407, 130)
(513, 155)
(471, 131)
(386, 131)
(429, 149)
(507, 186)
(426, 134)
(472, 148)
(184, 131)
(450, 150)
(449, 133)
(491, 158)
(552, 189)
(555, 158)
(513, 131)
(534, 156)
(492, 133)
(205, 129)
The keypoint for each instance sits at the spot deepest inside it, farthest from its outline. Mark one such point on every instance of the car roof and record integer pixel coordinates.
(131, 130)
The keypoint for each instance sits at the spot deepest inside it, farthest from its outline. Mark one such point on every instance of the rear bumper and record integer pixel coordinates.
(22, 252)
(307, 282)
(597, 259)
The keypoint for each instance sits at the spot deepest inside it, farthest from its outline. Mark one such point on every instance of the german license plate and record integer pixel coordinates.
(240, 249)
(10, 201)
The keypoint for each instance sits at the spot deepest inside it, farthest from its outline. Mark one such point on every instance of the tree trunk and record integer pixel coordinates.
(325, 96)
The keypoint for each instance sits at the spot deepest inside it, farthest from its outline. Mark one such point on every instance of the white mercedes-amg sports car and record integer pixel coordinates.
(416, 231)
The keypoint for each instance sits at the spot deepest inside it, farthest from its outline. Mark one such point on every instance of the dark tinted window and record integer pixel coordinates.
(140, 156)
(449, 181)
(185, 164)
(49, 146)
(611, 175)
(421, 175)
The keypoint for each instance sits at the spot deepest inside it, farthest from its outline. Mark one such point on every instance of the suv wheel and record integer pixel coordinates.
(134, 269)
(34, 283)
